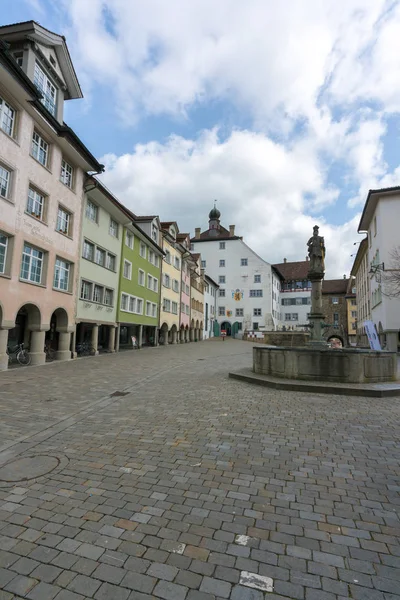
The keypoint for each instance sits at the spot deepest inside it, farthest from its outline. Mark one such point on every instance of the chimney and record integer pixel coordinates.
(197, 233)
(344, 276)
(231, 230)
(285, 260)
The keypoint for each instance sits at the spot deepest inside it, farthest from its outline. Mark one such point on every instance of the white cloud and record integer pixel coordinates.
(260, 186)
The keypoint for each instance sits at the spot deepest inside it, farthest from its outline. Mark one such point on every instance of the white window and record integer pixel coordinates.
(32, 264)
(154, 310)
(143, 250)
(221, 263)
(7, 117)
(113, 229)
(35, 205)
(187, 309)
(256, 312)
(354, 314)
(166, 305)
(5, 178)
(168, 257)
(124, 301)
(175, 308)
(139, 306)
(129, 239)
(222, 293)
(148, 309)
(40, 149)
(92, 211)
(100, 257)
(111, 261)
(221, 311)
(3, 252)
(67, 173)
(61, 274)
(151, 309)
(47, 88)
(203, 264)
(187, 290)
(132, 304)
(155, 284)
(63, 221)
(88, 250)
(222, 245)
(239, 312)
(151, 256)
(154, 232)
(167, 280)
(86, 290)
(257, 278)
(98, 294)
(156, 261)
(243, 262)
(335, 300)
(175, 285)
(127, 272)
(256, 293)
(141, 277)
(108, 297)
(221, 279)
(177, 263)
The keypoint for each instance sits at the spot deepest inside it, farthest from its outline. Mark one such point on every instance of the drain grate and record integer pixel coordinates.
(118, 394)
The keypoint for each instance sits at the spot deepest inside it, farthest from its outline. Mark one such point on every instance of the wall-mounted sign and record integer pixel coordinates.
(237, 295)
(372, 335)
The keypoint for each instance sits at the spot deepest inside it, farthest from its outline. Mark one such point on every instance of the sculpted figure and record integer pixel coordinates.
(316, 252)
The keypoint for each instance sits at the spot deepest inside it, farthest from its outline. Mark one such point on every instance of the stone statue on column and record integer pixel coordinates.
(316, 253)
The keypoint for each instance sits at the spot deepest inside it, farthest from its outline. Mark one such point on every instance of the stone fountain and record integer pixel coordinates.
(316, 361)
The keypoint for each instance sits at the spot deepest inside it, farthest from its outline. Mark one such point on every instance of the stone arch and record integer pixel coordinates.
(61, 316)
(226, 326)
(32, 313)
(163, 338)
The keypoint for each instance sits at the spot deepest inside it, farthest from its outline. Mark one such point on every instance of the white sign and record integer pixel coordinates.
(372, 335)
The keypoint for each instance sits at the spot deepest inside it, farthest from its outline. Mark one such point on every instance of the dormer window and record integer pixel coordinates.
(172, 232)
(154, 232)
(48, 90)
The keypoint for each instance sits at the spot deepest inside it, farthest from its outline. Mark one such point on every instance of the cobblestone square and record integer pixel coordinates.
(150, 474)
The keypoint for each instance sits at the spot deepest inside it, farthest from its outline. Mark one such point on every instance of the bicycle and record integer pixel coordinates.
(21, 355)
(50, 353)
(84, 349)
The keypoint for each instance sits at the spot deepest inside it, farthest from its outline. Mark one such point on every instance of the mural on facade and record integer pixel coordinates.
(237, 295)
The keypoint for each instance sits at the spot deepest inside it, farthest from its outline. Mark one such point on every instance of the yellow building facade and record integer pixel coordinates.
(171, 284)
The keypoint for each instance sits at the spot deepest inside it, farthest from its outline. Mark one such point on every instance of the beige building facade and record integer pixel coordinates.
(197, 300)
(171, 284)
(42, 171)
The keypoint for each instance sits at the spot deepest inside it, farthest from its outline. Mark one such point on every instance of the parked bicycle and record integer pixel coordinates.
(21, 355)
(84, 349)
(50, 353)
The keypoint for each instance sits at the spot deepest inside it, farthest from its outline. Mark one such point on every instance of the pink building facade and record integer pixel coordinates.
(42, 177)
(187, 265)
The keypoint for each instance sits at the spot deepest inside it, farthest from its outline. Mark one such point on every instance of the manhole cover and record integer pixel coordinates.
(28, 468)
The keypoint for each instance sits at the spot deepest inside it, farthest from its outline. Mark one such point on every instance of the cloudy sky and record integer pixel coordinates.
(285, 112)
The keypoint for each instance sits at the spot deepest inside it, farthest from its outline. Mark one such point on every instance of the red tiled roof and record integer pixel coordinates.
(334, 286)
(293, 270)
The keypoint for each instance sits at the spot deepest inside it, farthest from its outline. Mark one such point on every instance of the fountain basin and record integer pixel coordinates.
(342, 365)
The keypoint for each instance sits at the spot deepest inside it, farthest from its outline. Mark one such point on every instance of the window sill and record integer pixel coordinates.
(41, 164)
(7, 200)
(32, 283)
(62, 291)
(66, 235)
(71, 189)
(5, 275)
(36, 218)
(10, 137)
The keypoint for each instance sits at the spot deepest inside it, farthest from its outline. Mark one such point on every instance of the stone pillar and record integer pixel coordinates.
(140, 336)
(182, 336)
(173, 336)
(155, 336)
(95, 338)
(191, 335)
(3, 349)
(111, 339)
(73, 344)
(117, 338)
(201, 334)
(64, 342)
(36, 349)
(81, 333)
(187, 339)
(165, 336)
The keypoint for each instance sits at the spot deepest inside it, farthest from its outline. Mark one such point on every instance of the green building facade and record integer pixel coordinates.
(139, 288)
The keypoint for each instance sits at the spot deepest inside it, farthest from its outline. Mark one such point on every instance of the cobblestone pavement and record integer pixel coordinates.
(186, 485)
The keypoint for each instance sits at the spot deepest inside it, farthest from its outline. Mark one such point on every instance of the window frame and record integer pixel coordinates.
(129, 234)
(85, 282)
(34, 200)
(127, 263)
(67, 176)
(114, 258)
(7, 195)
(110, 291)
(3, 116)
(221, 311)
(5, 246)
(113, 227)
(257, 312)
(142, 245)
(222, 246)
(141, 278)
(38, 144)
(40, 259)
(222, 263)
(257, 278)
(101, 251)
(256, 293)
(69, 221)
(67, 269)
(244, 262)
(91, 205)
(222, 279)
(47, 99)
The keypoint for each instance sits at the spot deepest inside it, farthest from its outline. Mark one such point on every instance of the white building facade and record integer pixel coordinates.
(295, 294)
(363, 301)
(210, 306)
(245, 280)
(380, 221)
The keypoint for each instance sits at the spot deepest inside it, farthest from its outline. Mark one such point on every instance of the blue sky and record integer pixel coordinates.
(286, 117)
